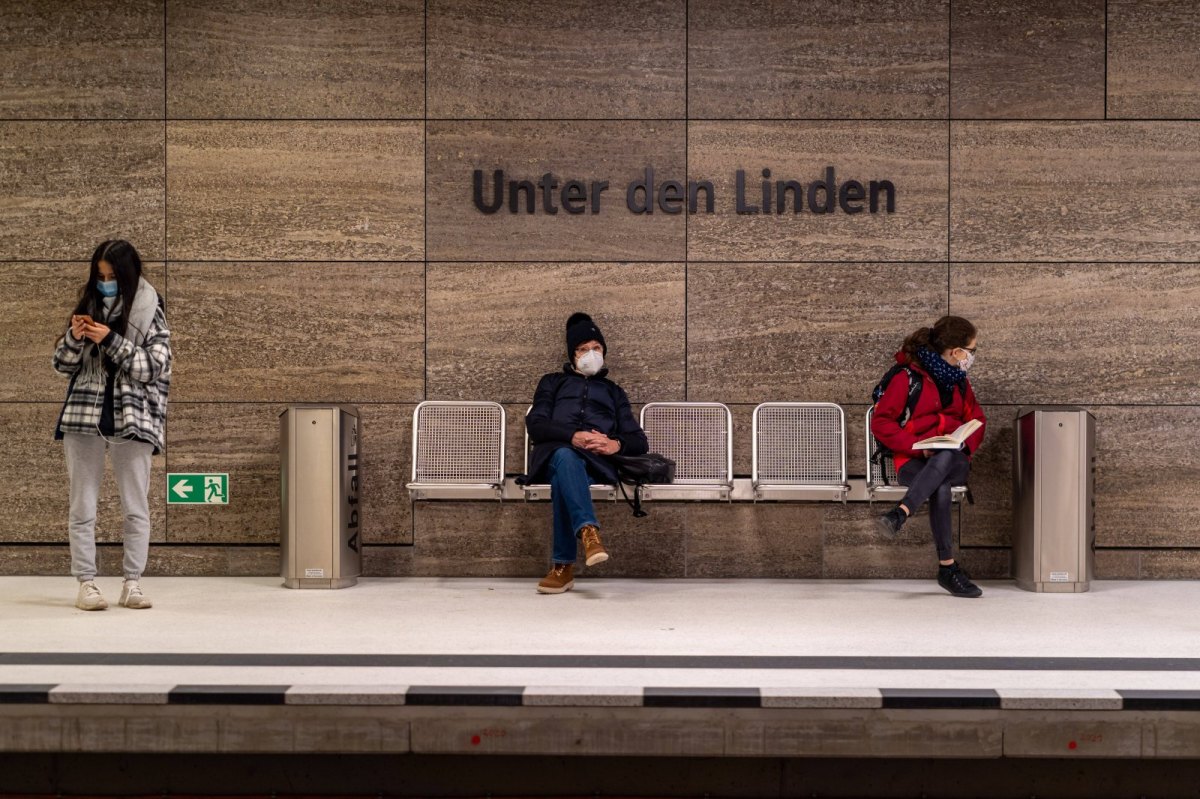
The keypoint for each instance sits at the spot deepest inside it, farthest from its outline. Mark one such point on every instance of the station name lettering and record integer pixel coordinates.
(648, 195)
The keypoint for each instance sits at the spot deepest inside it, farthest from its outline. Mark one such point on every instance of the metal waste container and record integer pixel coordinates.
(1054, 470)
(319, 519)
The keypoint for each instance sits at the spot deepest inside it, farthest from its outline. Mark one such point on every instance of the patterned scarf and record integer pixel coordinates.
(145, 303)
(945, 376)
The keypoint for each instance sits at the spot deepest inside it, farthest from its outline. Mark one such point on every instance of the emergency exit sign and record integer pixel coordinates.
(198, 489)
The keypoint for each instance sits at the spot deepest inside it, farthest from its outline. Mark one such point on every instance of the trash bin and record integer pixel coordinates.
(1054, 469)
(320, 517)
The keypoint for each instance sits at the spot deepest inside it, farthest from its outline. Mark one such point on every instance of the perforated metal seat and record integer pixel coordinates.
(882, 482)
(698, 436)
(799, 451)
(458, 450)
(539, 491)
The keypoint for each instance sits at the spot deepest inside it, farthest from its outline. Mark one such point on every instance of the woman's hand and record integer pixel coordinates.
(77, 327)
(95, 331)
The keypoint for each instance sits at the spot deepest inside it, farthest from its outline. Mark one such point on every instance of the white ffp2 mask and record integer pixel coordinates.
(590, 362)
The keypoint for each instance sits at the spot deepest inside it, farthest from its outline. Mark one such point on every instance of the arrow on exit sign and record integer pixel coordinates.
(198, 489)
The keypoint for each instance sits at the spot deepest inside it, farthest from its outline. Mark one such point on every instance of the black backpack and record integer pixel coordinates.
(641, 470)
(915, 383)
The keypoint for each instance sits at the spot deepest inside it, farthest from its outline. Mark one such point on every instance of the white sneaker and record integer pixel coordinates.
(90, 597)
(132, 596)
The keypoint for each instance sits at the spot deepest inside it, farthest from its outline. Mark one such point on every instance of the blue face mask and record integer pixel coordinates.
(108, 288)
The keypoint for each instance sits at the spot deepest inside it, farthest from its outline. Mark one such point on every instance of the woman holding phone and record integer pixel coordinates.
(116, 351)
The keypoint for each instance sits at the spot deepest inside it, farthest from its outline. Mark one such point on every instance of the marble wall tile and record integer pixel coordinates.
(106, 62)
(37, 508)
(813, 59)
(575, 59)
(764, 540)
(481, 539)
(802, 332)
(298, 332)
(243, 440)
(70, 185)
(175, 561)
(989, 522)
(48, 560)
(387, 561)
(651, 547)
(254, 561)
(1027, 59)
(616, 152)
(37, 302)
(912, 155)
(1075, 191)
(1154, 59)
(1169, 564)
(386, 440)
(494, 329)
(1138, 323)
(514, 539)
(165, 560)
(271, 59)
(316, 191)
(1147, 476)
(1117, 564)
(854, 550)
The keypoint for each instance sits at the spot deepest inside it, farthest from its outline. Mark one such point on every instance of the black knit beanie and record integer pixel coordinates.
(581, 328)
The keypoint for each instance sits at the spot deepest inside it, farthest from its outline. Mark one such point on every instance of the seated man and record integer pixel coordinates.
(578, 418)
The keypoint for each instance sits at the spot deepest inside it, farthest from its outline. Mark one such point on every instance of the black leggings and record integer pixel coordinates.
(931, 479)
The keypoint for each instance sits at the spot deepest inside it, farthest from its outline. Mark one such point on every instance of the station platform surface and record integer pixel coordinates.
(678, 667)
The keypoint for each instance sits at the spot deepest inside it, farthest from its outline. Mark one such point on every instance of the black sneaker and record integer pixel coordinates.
(957, 581)
(889, 524)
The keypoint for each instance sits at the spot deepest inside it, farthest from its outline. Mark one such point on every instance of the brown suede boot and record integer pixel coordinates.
(594, 552)
(560, 579)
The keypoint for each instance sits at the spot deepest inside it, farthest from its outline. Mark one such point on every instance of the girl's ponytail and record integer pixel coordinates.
(947, 333)
(916, 340)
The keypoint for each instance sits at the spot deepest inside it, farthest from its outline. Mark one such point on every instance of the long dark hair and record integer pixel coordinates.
(127, 269)
(947, 333)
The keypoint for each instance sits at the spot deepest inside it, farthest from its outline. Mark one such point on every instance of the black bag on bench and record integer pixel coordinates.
(641, 470)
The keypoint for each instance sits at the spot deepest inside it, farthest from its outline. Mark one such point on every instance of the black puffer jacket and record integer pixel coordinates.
(567, 402)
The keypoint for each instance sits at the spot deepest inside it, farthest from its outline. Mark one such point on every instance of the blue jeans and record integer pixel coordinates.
(570, 492)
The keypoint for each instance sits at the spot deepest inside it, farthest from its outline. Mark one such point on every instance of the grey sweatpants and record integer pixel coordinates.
(85, 468)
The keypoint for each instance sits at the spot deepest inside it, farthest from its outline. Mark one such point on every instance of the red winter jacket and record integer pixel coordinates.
(929, 418)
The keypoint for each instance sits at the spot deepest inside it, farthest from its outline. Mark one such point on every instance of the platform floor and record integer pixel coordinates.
(618, 634)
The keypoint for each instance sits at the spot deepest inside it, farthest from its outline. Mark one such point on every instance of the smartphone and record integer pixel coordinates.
(87, 320)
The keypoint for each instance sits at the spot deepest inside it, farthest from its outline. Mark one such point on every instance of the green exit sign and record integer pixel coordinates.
(198, 489)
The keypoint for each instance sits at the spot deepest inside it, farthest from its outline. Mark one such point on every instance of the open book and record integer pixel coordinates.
(952, 441)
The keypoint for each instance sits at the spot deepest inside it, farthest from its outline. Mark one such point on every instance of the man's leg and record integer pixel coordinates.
(570, 488)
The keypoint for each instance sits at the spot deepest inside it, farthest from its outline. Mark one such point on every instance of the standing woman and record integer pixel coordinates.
(939, 358)
(117, 353)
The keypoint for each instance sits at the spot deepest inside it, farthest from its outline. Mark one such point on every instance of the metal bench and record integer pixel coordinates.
(458, 450)
(799, 451)
(698, 436)
(882, 483)
(540, 491)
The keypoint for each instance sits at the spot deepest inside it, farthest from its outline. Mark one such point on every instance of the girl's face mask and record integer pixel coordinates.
(108, 288)
(967, 362)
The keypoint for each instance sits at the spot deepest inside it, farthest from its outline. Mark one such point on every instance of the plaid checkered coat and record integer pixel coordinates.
(142, 379)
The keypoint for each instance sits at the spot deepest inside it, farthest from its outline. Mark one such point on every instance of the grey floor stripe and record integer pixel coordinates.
(602, 661)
